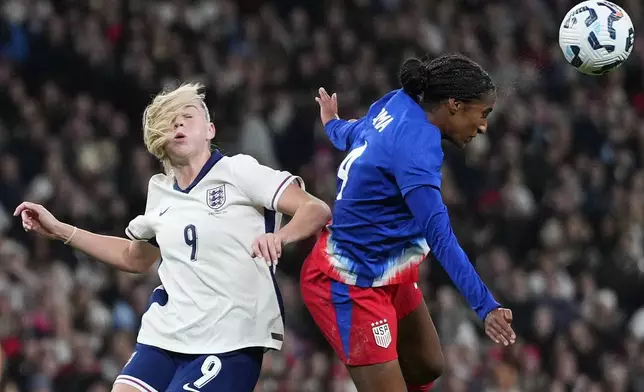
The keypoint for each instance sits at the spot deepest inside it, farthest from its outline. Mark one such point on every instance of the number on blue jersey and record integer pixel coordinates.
(345, 166)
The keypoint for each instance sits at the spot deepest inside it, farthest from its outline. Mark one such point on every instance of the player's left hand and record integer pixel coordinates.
(269, 247)
(498, 326)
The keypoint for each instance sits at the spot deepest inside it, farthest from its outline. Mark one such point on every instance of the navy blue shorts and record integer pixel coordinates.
(152, 369)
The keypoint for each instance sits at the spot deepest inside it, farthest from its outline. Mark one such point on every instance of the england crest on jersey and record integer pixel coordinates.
(381, 333)
(216, 197)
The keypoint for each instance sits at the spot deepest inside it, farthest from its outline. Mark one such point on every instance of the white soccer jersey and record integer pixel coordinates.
(214, 296)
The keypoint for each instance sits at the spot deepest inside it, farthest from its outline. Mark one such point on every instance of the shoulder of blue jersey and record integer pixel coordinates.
(405, 121)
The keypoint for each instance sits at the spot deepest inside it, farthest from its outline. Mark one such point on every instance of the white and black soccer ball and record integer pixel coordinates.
(596, 37)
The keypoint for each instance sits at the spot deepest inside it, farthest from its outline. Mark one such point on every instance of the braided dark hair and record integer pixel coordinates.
(452, 75)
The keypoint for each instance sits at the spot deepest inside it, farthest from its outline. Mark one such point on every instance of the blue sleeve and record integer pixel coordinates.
(430, 213)
(343, 133)
(418, 157)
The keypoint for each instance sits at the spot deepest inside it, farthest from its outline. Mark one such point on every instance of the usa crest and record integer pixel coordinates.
(216, 197)
(381, 333)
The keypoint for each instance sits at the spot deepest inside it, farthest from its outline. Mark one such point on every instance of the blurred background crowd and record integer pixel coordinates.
(549, 204)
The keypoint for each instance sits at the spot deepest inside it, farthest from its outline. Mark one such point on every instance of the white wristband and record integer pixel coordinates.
(71, 236)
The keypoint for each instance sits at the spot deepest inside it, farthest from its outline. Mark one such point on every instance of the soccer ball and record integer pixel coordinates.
(596, 37)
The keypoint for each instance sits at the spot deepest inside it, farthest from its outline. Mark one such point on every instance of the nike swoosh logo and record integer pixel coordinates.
(164, 211)
(187, 387)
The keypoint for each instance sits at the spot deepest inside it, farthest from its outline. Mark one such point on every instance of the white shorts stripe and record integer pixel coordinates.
(134, 382)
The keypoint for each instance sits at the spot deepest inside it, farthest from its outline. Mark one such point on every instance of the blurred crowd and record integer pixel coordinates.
(549, 204)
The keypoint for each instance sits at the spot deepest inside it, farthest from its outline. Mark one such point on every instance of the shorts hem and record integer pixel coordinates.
(360, 363)
(182, 350)
(135, 383)
(410, 309)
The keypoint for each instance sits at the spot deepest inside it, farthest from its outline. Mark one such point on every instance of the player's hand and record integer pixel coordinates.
(269, 247)
(37, 218)
(328, 106)
(498, 326)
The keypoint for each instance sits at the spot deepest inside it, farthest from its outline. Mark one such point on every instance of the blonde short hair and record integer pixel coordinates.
(162, 111)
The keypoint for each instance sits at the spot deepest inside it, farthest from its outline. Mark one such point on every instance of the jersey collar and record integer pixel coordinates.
(415, 109)
(214, 158)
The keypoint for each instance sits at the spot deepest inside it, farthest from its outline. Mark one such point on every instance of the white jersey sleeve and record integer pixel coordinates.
(262, 185)
(140, 228)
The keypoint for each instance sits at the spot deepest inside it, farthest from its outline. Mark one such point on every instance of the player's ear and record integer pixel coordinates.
(211, 131)
(454, 106)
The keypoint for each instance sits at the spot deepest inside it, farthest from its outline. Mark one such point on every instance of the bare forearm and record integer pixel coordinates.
(117, 252)
(307, 221)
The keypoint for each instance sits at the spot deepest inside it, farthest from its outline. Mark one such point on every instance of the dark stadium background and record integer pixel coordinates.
(549, 204)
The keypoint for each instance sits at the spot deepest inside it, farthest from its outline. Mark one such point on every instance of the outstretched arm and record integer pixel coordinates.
(431, 215)
(425, 203)
(134, 256)
(120, 253)
(417, 169)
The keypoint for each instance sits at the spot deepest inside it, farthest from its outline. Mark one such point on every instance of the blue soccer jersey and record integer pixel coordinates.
(374, 240)
(377, 237)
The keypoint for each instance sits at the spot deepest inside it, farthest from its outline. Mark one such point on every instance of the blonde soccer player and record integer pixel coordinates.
(213, 221)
